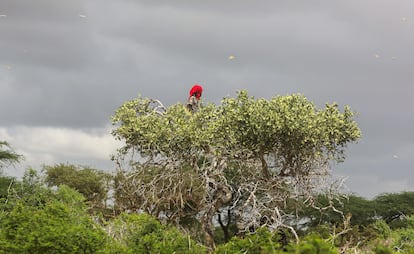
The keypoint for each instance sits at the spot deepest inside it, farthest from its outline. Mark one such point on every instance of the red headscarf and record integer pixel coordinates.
(196, 90)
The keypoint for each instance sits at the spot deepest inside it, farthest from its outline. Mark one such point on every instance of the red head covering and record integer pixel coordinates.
(196, 90)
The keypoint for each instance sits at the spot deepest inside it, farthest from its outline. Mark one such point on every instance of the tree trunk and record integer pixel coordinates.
(265, 169)
(222, 195)
(225, 228)
(208, 229)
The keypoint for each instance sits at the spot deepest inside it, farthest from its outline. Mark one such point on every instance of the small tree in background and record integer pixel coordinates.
(394, 207)
(245, 157)
(361, 210)
(92, 183)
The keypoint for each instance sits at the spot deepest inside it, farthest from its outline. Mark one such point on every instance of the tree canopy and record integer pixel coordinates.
(247, 156)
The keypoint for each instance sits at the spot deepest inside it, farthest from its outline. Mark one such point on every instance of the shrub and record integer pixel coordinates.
(56, 226)
(141, 233)
(313, 244)
(262, 241)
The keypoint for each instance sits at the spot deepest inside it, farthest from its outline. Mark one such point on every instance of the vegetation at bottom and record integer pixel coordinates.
(246, 176)
(38, 218)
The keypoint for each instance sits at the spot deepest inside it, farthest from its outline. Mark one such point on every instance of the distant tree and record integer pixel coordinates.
(394, 207)
(248, 156)
(333, 211)
(7, 155)
(92, 183)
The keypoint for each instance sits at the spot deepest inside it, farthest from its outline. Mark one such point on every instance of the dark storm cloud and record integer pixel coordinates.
(193, 44)
(55, 70)
(46, 46)
(71, 64)
(45, 33)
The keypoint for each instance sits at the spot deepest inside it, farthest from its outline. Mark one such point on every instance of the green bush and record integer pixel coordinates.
(383, 250)
(382, 228)
(141, 233)
(260, 242)
(55, 226)
(313, 244)
(405, 239)
(264, 242)
(399, 240)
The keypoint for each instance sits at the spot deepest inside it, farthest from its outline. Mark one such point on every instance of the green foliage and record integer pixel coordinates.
(141, 233)
(410, 221)
(379, 249)
(377, 226)
(5, 183)
(391, 207)
(7, 155)
(30, 191)
(262, 241)
(405, 240)
(361, 210)
(384, 221)
(92, 183)
(289, 125)
(387, 240)
(404, 237)
(313, 244)
(58, 224)
(36, 219)
(382, 228)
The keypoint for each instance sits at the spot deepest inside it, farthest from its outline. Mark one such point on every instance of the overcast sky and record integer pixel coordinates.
(65, 66)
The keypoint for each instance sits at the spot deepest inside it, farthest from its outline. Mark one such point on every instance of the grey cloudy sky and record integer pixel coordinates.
(65, 66)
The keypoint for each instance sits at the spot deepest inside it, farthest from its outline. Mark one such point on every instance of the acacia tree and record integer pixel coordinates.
(246, 158)
(7, 155)
(393, 207)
